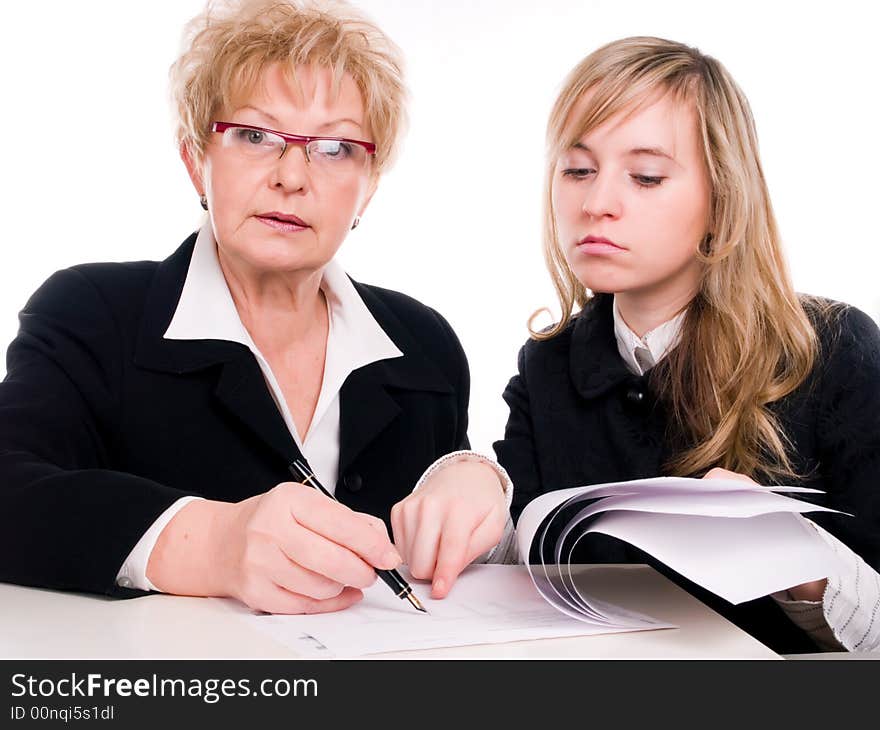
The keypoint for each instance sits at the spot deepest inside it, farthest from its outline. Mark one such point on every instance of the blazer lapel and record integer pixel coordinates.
(243, 392)
(367, 402)
(366, 409)
(240, 387)
(595, 364)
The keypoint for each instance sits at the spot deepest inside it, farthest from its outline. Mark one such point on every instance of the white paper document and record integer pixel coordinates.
(489, 604)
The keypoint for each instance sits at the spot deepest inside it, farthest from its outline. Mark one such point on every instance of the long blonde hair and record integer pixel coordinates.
(747, 340)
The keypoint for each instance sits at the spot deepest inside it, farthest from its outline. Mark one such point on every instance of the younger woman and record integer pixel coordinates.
(689, 352)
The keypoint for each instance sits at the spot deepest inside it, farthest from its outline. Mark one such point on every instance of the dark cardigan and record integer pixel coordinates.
(579, 416)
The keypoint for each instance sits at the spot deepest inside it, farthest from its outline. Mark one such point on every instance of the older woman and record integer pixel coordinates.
(151, 411)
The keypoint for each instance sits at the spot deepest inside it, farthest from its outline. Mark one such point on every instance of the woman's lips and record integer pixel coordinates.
(596, 246)
(287, 226)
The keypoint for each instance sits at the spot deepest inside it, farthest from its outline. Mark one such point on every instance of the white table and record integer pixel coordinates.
(49, 624)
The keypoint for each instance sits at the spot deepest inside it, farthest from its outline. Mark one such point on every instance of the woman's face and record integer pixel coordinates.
(631, 201)
(247, 197)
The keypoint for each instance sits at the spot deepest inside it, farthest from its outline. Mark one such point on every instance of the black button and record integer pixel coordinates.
(635, 397)
(352, 482)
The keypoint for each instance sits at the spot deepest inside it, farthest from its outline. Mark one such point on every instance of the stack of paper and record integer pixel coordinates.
(739, 541)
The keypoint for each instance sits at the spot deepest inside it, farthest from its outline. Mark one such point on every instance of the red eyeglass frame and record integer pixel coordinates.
(297, 139)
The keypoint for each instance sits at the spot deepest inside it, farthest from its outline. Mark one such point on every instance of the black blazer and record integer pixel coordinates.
(104, 424)
(579, 416)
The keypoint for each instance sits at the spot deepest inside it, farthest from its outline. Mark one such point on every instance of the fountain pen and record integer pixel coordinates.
(392, 578)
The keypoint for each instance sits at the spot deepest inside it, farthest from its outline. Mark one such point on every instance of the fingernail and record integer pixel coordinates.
(391, 558)
(439, 586)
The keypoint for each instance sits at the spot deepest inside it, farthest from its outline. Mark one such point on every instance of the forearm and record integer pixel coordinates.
(189, 556)
(72, 529)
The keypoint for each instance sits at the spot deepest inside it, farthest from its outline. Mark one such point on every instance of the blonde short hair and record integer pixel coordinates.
(228, 45)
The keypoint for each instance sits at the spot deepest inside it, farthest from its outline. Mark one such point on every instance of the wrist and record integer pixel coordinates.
(190, 555)
(471, 457)
(812, 591)
(478, 469)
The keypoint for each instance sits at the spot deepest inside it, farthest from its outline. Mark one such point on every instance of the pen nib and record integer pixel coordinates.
(411, 597)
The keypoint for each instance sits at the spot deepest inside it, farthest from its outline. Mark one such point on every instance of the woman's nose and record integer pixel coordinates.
(291, 170)
(601, 198)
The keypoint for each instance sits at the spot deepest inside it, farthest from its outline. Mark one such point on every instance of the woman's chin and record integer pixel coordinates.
(601, 284)
(284, 264)
(274, 256)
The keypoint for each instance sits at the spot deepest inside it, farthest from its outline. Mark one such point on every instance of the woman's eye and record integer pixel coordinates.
(250, 136)
(332, 149)
(578, 173)
(647, 181)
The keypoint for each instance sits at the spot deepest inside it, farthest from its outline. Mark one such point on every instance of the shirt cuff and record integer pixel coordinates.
(459, 456)
(505, 550)
(847, 616)
(133, 573)
(809, 616)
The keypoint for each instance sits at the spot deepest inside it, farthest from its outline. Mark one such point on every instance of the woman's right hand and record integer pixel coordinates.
(457, 514)
(289, 550)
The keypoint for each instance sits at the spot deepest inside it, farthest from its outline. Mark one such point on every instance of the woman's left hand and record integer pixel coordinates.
(812, 591)
(455, 516)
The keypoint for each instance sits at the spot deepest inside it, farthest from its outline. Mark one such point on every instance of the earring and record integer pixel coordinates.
(203, 199)
(357, 222)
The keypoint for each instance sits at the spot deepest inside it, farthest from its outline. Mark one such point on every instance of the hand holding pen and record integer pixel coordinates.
(391, 578)
(288, 550)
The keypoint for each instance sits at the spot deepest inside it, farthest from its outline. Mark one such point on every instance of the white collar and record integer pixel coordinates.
(206, 311)
(659, 341)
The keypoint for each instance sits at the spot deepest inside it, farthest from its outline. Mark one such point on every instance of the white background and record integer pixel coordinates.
(90, 171)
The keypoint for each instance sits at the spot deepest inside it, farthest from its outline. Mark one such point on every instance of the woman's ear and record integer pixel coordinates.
(193, 167)
(371, 190)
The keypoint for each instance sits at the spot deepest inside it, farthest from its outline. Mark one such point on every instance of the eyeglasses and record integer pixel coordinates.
(335, 156)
